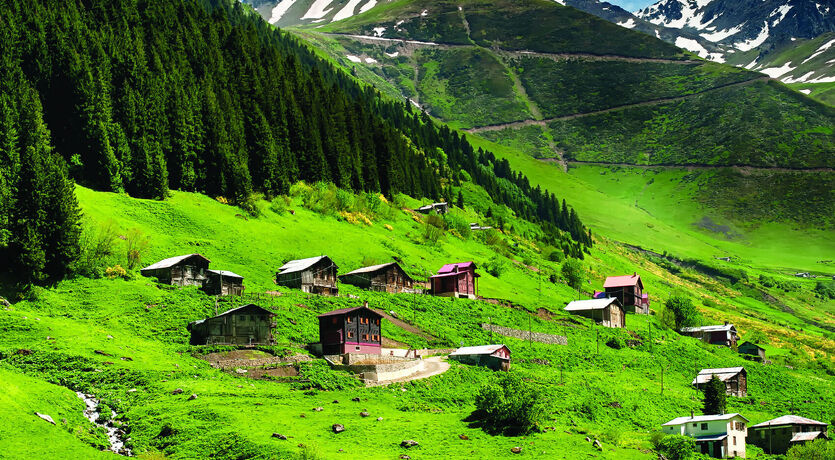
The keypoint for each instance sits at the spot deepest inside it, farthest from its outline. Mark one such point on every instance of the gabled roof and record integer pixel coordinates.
(748, 343)
(623, 281)
(702, 418)
(591, 304)
(716, 328)
(232, 311)
(172, 261)
(789, 420)
(374, 268)
(225, 274)
(724, 373)
(294, 266)
(807, 436)
(450, 268)
(343, 311)
(478, 350)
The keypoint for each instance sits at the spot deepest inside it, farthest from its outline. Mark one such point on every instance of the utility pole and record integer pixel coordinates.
(597, 339)
(490, 323)
(649, 326)
(530, 342)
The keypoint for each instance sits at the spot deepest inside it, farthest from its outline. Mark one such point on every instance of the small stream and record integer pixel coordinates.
(114, 433)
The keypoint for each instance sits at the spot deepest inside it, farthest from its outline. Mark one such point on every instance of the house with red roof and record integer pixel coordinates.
(351, 330)
(456, 280)
(629, 290)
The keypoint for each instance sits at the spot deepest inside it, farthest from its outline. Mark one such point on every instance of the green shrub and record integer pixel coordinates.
(573, 272)
(714, 396)
(816, 450)
(677, 447)
(456, 222)
(318, 375)
(680, 310)
(510, 406)
(496, 265)
(279, 204)
(825, 290)
(616, 342)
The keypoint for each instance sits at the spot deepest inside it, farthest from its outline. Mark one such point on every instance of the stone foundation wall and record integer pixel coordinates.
(525, 335)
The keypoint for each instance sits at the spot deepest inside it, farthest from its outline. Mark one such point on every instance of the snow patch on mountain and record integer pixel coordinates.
(353, 58)
(722, 34)
(691, 14)
(279, 10)
(318, 9)
(628, 24)
(379, 31)
(695, 47)
(776, 72)
(783, 10)
(368, 6)
(347, 11)
(820, 50)
(754, 42)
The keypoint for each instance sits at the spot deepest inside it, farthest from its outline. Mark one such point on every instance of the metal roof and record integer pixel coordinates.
(715, 328)
(789, 420)
(201, 321)
(807, 436)
(347, 310)
(374, 268)
(591, 304)
(226, 273)
(171, 261)
(478, 350)
(294, 266)
(711, 437)
(749, 343)
(724, 373)
(621, 281)
(702, 418)
(450, 268)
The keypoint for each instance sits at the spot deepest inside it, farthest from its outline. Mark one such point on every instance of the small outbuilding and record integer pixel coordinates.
(607, 312)
(351, 330)
(223, 282)
(752, 351)
(440, 208)
(718, 436)
(629, 290)
(456, 280)
(388, 277)
(246, 325)
(316, 275)
(186, 270)
(496, 357)
(725, 335)
(734, 378)
(778, 435)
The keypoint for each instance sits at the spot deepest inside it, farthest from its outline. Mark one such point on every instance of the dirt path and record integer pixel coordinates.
(745, 169)
(406, 326)
(431, 366)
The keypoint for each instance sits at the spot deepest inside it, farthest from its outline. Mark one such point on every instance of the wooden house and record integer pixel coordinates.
(752, 351)
(223, 282)
(187, 270)
(629, 290)
(351, 330)
(734, 378)
(496, 357)
(607, 312)
(388, 277)
(719, 436)
(456, 280)
(716, 335)
(247, 325)
(777, 436)
(316, 275)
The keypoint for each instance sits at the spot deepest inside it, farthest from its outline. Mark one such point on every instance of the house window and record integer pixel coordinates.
(734, 440)
(242, 317)
(350, 320)
(333, 320)
(704, 426)
(365, 337)
(378, 321)
(350, 335)
(695, 425)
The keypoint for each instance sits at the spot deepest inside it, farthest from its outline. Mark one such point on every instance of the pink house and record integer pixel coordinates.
(456, 280)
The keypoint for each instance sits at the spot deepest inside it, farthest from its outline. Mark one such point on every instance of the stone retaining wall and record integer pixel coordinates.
(525, 335)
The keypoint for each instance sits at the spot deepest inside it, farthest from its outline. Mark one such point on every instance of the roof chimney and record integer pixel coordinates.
(726, 323)
(634, 273)
(692, 415)
(365, 304)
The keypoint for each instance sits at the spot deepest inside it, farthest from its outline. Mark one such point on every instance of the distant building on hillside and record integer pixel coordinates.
(752, 351)
(246, 325)
(223, 282)
(456, 280)
(629, 290)
(716, 335)
(440, 208)
(186, 270)
(351, 330)
(778, 435)
(496, 357)
(607, 312)
(734, 378)
(316, 275)
(719, 436)
(388, 277)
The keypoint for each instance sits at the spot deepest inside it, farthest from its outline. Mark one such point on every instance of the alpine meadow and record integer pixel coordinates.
(413, 229)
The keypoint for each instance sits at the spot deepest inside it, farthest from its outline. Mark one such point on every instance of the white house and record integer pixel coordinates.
(720, 436)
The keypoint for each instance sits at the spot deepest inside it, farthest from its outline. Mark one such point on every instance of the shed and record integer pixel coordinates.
(440, 208)
(607, 312)
(778, 435)
(629, 290)
(456, 280)
(388, 277)
(719, 436)
(716, 335)
(186, 270)
(752, 350)
(316, 275)
(223, 282)
(351, 330)
(246, 325)
(734, 378)
(496, 357)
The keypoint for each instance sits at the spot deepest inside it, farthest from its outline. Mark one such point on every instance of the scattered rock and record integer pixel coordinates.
(336, 401)
(597, 444)
(302, 416)
(100, 352)
(588, 439)
(379, 419)
(23, 352)
(108, 363)
(132, 390)
(192, 397)
(409, 443)
(109, 336)
(292, 321)
(257, 404)
(45, 417)
(338, 428)
(364, 414)
(516, 450)
(318, 409)
(280, 436)
(241, 371)
(355, 399)
(615, 404)
(178, 391)
(405, 457)
(126, 358)
(463, 437)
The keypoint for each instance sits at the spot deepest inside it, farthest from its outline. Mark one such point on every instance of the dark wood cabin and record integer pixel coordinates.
(456, 280)
(351, 330)
(606, 312)
(734, 378)
(496, 357)
(187, 270)
(388, 277)
(316, 275)
(777, 436)
(247, 325)
(223, 282)
(629, 290)
(752, 351)
(724, 335)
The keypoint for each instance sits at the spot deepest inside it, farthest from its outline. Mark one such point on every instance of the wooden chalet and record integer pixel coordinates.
(456, 280)
(496, 357)
(351, 330)
(388, 277)
(607, 312)
(223, 282)
(752, 351)
(186, 270)
(629, 290)
(246, 325)
(725, 335)
(718, 436)
(316, 275)
(734, 378)
(777, 436)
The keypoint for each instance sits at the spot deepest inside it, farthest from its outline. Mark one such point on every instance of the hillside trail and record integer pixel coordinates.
(406, 326)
